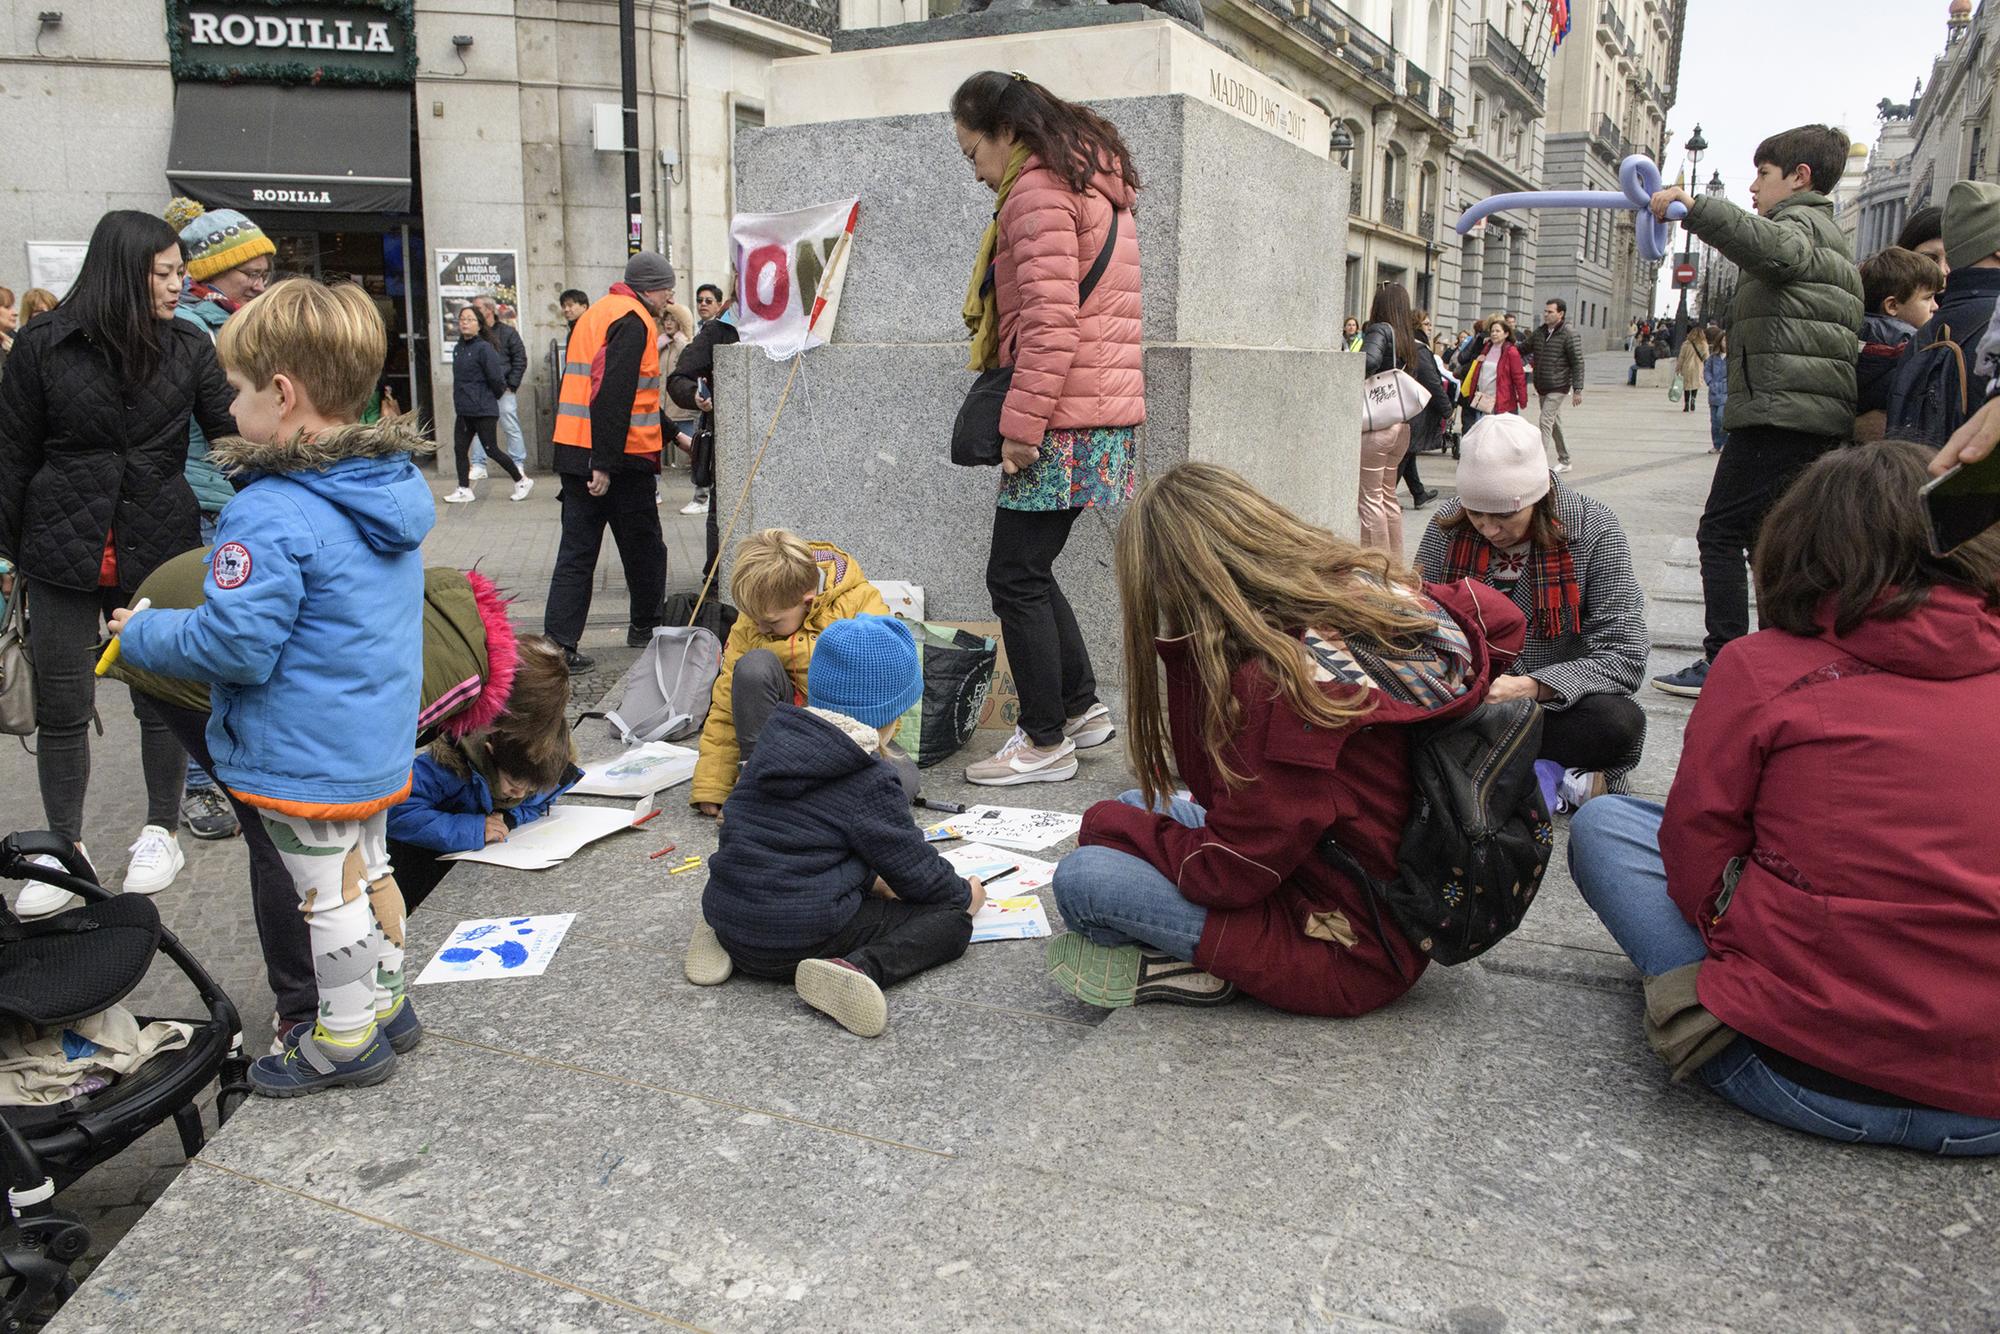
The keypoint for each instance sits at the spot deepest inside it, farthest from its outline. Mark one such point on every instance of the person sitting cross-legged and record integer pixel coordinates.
(1816, 915)
(1563, 559)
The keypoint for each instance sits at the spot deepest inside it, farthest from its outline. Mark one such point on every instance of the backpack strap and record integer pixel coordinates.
(1341, 860)
(1096, 274)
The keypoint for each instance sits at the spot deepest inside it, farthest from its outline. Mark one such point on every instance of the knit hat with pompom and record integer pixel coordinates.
(216, 241)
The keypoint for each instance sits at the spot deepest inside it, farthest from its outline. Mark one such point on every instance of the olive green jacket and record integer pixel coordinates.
(1796, 327)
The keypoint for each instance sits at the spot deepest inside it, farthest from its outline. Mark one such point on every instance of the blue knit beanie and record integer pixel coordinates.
(866, 668)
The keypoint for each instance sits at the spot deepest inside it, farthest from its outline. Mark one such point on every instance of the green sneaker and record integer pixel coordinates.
(1114, 976)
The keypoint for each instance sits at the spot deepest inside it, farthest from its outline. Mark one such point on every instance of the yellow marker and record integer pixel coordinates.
(111, 649)
(691, 864)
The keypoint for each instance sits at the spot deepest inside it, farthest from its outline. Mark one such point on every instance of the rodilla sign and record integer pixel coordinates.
(280, 41)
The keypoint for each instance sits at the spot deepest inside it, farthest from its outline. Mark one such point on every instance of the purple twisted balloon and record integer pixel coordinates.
(1638, 181)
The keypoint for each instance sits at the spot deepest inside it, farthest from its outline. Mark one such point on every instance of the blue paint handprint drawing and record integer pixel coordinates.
(511, 953)
(1638, 181)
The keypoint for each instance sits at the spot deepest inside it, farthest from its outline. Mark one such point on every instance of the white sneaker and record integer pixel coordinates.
(156, 860)
(460, 496)
(1021, 761)
(522, 488)
(1577, 787)
(478, 473)
(695, 507)
(39, 900)
(1560, 467)
(1093, 727)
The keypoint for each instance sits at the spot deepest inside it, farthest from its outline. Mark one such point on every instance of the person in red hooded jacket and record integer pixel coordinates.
(1294, 659)
(1816, 909)
(1064, 186)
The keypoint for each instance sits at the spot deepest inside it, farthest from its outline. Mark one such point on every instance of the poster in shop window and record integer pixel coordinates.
(465, 274)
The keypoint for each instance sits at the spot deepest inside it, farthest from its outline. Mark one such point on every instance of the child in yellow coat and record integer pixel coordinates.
(787, 591)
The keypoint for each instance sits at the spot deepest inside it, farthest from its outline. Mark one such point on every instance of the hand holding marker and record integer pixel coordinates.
(111, 649)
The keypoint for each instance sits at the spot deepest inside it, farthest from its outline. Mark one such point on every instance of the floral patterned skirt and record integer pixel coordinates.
(1078, 470)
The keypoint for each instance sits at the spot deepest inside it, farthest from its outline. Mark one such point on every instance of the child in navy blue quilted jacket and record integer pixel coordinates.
(821, 879)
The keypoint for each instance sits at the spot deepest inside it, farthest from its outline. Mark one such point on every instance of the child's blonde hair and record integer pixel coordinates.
(774, 569)
(329, 340)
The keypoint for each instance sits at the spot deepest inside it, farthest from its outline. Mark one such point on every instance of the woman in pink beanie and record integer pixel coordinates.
(1563, 559)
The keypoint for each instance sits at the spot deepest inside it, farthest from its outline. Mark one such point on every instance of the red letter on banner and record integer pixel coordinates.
(781, 282)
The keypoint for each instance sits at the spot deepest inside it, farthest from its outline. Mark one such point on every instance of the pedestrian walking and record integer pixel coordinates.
(1496, 381)
(1557, 354)
(1690, 367)
(608, 441)
(229, 262)
(1427, 429)
(506, 340)
(1389, 343)
(692, 385)
(1715, 375)
(94, 414)
(478, 379)
(1798, 401)
(1065, 186)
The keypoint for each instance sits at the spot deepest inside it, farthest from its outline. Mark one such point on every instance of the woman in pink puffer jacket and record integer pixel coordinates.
(1065, 186)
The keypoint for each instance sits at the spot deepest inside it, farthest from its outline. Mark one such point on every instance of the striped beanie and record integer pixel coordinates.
(216, 241)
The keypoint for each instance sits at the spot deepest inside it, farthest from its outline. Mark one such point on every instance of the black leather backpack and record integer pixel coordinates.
(1478, 838)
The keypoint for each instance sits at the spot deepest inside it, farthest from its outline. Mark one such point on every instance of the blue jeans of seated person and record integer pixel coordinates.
(1113, 898)
(1614, 855)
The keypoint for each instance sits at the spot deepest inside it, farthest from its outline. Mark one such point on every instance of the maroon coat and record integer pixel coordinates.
(1282, 924)
(1853, 776)
(1510, 390)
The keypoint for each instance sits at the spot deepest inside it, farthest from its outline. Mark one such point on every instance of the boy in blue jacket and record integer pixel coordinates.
(821, 879)
(311, 638)
(470, 791)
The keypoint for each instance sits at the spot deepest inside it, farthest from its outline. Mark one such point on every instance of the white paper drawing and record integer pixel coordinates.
(653, 767)
(1021, 918)
(490, 947)
(551, 840)
(1010, 827)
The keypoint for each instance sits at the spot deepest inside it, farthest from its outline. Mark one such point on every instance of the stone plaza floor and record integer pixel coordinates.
(608, 1148)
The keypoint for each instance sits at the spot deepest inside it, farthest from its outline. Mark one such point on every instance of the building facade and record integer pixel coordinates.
(1882, 202)
(1611, 85)
(1955, 120)
(1497, 64)
(421, 147)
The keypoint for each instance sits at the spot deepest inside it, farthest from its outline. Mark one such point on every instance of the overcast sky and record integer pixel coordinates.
(1753, 67)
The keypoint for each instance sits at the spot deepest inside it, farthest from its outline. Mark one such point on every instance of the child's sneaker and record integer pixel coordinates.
(845, 994)
(1093, 727)
(157, 860)
(460, 496)
(1114, 976)
(1021, 761)
(707, 964)
(310, 1066)
(1578, 787)
(399, 1023)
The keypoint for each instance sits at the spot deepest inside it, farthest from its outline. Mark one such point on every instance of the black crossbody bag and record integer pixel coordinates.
(975, 436)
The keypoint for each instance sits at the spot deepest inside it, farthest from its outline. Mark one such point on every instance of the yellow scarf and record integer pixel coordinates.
(982, 301)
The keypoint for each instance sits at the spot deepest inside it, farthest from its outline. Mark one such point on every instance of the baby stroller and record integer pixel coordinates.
(59, 970)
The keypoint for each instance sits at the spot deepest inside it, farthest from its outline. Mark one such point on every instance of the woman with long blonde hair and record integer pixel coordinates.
(1293, 658)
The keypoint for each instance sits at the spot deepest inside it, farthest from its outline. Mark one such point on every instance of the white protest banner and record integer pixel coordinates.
(789, 268)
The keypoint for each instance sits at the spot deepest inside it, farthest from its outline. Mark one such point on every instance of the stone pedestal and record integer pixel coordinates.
(1242, 229)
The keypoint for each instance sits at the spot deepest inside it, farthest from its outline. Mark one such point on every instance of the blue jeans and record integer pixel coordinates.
(1614, 855)
(1113, 898)
(1716, 435)
(510, 429)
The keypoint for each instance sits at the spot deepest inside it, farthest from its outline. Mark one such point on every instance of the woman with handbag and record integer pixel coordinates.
(94, 417)
(1427, 431)
(1496, 382)
(1054, 296)
(1389, 343)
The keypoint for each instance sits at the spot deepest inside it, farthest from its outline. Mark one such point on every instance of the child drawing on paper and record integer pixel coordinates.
(816, 820)
(467, 792)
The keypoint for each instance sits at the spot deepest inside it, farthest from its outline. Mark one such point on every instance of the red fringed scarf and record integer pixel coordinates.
(1557, 596)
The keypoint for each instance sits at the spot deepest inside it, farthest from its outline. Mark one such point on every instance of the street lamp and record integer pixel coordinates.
(1715, 189)
(1696, 146)
(1342, 142)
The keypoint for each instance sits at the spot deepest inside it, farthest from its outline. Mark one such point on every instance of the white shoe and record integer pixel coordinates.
(460, 496)
(478, 473)
(1093, 727)
(156, 860)
(1560, 467)
(695, 507)
(1021, 761)
(522, 488)
(39, 900)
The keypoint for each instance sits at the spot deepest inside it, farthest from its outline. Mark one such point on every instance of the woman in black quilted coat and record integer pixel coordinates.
(94, 414)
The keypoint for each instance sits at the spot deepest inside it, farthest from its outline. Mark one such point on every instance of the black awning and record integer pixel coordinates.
(263, 147)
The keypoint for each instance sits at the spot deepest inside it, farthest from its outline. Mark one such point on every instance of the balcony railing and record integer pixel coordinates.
(1609, 142)
(1395, 212)
(1447, 109)
(1493, 47)
(1609, 22)
(1427, 226)
(1417, 85)
(1340, 33)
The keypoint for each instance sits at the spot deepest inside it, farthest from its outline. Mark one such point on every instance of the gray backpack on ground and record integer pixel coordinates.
(665, 695)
